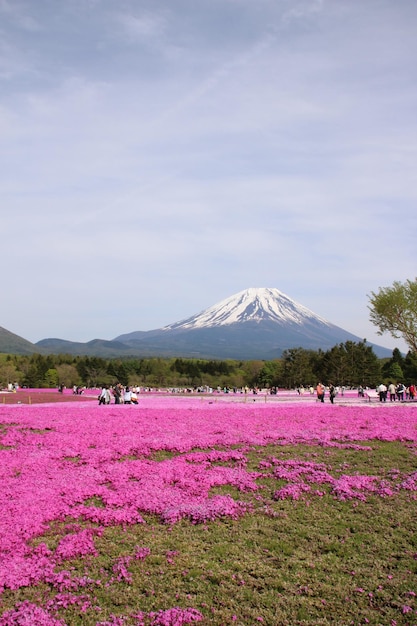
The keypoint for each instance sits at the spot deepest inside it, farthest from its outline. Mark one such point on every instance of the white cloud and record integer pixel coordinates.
(145, 27)
(217, 145)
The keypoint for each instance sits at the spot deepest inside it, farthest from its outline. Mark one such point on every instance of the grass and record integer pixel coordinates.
(314, 561)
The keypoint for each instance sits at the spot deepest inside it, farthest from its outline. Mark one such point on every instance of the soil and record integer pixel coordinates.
(41, 396)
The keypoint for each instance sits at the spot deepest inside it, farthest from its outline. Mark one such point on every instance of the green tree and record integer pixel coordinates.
(410, 367)
(143, 370)
(298, 368)
(394, 310)
(336, 366)
(37, 368)
(395, 372)
(350, 363)
(393, 368)
(269, 375)
(9, 374)
(397, 357)
(251, 372)
(68, 375)
(93, 371)
(51, 378)
(119, 371)
(159, 371)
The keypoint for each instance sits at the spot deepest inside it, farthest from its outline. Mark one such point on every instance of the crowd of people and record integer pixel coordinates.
(333, 391)
(396, 392)
(121, 394)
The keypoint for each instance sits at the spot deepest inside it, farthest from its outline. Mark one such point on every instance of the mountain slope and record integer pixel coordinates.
(13, 344)
(95, 347)
(258, 323)
(251, 305)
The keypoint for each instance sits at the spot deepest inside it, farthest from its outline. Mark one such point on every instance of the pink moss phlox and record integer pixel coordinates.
(410, 483)
(293, 469)
(343, 488)
(141, 552)
(120, 568)
(65, 581)
(348, 487)
(26, 568)
(223, 456)
(113, 621)
(77, 545)
(293, 491)
(170, 617)
(170, 556)
(66, 600)
(218, 506)
(175, 616)
(121, 565)
(111, 516)
(347, 446)
(28, 614)
(60, 459)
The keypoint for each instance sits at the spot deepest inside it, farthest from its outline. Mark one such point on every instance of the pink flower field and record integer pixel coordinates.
(112, 466)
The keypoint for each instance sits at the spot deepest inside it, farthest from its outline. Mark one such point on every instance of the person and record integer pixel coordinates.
(332, 392)
(127, 396)
(104, 397)
(382, 392)
(412, 391)
(392, 390)
(400, 392)
(117, 392)
(320, 392)
(133, 397)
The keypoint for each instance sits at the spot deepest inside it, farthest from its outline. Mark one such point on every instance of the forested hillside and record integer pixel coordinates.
(349, 364)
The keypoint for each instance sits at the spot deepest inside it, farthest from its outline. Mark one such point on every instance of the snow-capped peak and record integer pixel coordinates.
(254, 304)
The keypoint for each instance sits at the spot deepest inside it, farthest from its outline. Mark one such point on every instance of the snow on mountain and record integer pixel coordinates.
(252, 324)
(254, 304)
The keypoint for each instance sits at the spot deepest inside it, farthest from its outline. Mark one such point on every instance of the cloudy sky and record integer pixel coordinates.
(158, 156)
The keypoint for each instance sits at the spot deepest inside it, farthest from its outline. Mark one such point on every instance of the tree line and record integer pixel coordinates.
(350, 364)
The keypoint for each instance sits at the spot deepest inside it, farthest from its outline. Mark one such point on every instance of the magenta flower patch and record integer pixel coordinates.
(93, 464)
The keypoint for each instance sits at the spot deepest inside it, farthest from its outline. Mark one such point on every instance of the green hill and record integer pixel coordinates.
(13, 344)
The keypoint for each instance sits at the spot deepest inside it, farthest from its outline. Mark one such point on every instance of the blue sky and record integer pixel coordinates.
(158, 156)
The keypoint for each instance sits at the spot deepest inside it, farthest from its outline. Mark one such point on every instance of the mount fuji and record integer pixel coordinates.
(253, 324)
(251, 305)
(257, 323)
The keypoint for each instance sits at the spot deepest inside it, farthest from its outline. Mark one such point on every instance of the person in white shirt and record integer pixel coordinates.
(104, 397)
(127, 396)
(382, 391)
